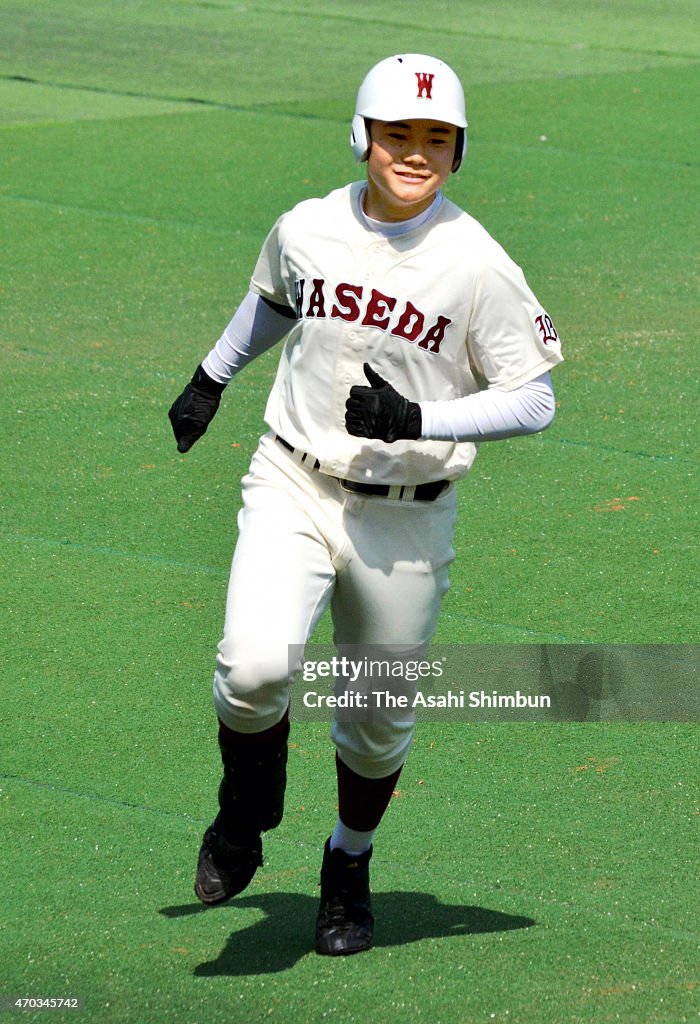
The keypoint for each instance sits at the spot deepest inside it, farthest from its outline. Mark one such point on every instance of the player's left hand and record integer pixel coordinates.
(379, 411)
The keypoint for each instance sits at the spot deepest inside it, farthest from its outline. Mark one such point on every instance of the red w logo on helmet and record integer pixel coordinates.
(425, 85)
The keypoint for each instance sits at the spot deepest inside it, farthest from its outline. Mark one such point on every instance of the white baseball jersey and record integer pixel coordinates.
(440, 311)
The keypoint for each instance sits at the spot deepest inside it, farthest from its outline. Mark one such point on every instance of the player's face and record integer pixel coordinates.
(408, 162)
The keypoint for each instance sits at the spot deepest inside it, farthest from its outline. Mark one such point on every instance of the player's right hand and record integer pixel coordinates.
(192, 412)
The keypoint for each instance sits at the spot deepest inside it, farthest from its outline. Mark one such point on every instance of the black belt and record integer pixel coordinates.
(402, 492)
(303, 457)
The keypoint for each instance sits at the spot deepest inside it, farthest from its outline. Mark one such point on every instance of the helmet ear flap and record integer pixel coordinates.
(360, 141)
(460, 149)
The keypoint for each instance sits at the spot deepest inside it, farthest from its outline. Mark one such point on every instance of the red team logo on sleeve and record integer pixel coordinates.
(546, 328)
(425, 85)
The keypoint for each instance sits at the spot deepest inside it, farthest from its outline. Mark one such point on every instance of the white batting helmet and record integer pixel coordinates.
(409, 85)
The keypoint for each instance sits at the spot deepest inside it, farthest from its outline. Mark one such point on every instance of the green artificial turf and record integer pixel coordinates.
(529, 874)
(540, 877)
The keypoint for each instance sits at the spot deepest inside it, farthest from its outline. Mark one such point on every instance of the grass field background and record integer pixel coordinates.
(539, 874)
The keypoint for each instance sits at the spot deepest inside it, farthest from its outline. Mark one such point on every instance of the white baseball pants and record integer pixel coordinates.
(306, 542)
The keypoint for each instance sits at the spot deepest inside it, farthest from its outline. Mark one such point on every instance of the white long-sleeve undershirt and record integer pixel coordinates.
(254, 328)
(489, 415)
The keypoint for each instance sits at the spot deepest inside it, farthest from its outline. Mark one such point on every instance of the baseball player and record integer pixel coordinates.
(409, 337)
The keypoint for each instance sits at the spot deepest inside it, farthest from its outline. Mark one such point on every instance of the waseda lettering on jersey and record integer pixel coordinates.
(299, 297)
(316, 305)
(347, 302)
(375, 309)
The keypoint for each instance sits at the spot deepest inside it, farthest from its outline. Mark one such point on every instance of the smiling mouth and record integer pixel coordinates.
(412, 176)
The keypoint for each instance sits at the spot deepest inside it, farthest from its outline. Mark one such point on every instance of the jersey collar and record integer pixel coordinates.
(391, 229)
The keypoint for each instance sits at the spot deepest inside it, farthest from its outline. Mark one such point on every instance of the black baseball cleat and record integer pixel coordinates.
(226, 867)
(345, 923)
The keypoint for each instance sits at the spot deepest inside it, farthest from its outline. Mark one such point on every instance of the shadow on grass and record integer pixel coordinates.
(286, 933)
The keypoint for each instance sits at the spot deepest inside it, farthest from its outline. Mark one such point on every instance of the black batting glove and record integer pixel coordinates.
(193, 411)
(379, 411)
